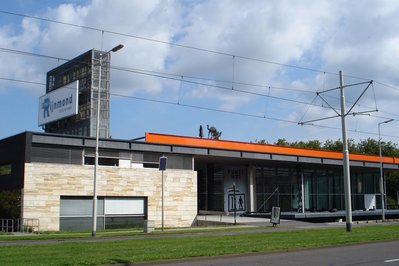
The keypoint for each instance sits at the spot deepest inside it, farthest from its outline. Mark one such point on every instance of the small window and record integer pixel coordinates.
(102, 161)
(5, 169)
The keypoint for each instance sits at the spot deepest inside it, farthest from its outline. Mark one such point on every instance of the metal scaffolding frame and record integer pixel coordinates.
(84, 68)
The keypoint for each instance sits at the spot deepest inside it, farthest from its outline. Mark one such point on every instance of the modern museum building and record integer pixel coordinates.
(54, 176)
(51, 175)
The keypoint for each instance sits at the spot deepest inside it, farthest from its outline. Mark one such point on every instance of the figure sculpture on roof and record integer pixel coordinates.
(201, 132)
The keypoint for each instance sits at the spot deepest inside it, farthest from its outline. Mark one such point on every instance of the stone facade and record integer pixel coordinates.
(44, 184)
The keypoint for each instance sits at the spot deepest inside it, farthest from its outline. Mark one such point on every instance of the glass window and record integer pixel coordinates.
(322, 193)
(369, 183)
(102, 161)
(112, 212)
(276, 186)
(79, 206)
(124, 206)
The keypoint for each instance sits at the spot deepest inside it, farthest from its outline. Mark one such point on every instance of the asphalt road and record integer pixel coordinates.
(377, 253)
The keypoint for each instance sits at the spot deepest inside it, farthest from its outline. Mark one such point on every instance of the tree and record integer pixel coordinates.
(262, 141)
(314, 144)
(368, 146)
(10, 207)
(282, 142)
(389, 149)
(331, 145)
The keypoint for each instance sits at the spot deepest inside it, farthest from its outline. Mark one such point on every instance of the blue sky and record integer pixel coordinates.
(249, 68)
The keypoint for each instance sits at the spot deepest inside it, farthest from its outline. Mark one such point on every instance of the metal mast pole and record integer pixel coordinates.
(381, 176)
(382, 189)
(345, 151)
(94, 211)
(94, 225)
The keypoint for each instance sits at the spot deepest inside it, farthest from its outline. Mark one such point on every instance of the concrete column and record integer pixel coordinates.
(251, 188)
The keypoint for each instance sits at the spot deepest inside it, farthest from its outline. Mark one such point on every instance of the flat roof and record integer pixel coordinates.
(203, 148)
(259, 148)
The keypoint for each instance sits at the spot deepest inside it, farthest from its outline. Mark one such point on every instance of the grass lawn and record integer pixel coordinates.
(171, 247)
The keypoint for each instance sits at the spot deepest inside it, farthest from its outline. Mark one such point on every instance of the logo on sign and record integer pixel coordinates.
(58, 104)
(50, 106)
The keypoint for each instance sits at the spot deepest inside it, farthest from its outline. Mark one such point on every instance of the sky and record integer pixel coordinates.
(255, 70)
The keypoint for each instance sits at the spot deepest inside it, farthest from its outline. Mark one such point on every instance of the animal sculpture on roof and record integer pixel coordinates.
(213, 133)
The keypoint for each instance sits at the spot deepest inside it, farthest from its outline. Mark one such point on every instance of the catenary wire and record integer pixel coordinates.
(167, 76)
(194, 48)
(171, 76)
(163, 42)
(179, 75)
(175, 77)
(183, 46)
(215, 110)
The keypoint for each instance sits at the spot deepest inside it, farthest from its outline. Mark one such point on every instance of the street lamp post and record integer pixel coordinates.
(94, 216)
(381, 171)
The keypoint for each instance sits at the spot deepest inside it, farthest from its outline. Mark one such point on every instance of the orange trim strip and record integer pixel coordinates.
(255, 147)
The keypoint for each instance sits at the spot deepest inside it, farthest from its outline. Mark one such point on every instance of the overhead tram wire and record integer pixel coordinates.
(166, 42)
(182, 46)
(214, 86)
(220, 87)
(168, 102)
(210, 109)
(174, 44)
(164, 76)
(145, 72)
(6, 50)
(178, 78)
(239, 113)
(167, 76)
(174, 77)
(212, 80)
(24, 81)
(386, 85)
(186, 46)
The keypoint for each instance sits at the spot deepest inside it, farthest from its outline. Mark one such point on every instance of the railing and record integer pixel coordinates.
(25, 225)
(7, 225)
(30, 225)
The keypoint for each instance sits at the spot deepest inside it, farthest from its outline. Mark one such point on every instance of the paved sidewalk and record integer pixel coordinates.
(247, 225)
(284, 224)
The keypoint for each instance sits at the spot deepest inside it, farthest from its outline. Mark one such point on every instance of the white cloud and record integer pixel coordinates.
(358, 37)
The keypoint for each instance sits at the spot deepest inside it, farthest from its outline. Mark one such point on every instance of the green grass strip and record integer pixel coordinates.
(175, 247)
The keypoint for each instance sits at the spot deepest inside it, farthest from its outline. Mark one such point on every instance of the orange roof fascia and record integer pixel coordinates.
(256, 147)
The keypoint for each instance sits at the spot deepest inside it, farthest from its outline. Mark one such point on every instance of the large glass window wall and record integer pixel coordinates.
(323, 189)
(294, 189)
(277, 186)
(213, 181)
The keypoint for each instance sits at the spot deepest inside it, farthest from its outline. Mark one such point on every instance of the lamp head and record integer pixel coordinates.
(117, 48)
